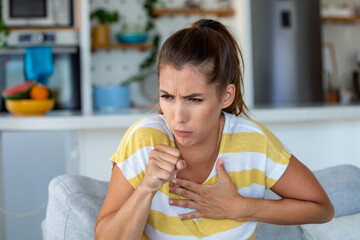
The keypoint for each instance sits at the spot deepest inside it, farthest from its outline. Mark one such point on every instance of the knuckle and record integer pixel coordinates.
(176, 152)
(205, 194)
(187, 185)
(184, 193)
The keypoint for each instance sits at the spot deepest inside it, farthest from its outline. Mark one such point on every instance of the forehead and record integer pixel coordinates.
(188, 78)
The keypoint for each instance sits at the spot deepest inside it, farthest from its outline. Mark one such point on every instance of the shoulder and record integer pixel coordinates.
(241, 128)
(149, 127)
(239, 124)
(142, 137)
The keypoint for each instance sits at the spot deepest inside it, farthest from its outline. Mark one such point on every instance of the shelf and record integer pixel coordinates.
(40, 29)
(125, 46)
(185, 11)
(341, 19)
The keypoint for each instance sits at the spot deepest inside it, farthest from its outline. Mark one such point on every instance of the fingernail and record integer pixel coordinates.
(181, 217)
(173, 181)
(221, 160)
(171, 202)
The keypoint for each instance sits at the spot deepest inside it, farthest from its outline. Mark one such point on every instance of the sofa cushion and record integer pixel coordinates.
(74, 203)
(341, 183)
(346, 227)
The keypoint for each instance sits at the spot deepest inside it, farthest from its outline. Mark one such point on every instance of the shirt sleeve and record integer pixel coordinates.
(132, 155)
(277, 158)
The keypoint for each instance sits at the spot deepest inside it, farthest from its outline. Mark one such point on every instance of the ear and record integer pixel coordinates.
(228, 96)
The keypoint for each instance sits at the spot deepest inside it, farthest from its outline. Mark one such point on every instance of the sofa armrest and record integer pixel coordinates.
(74, 203)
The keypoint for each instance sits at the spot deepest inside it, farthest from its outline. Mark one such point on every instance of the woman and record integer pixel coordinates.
(200, 168)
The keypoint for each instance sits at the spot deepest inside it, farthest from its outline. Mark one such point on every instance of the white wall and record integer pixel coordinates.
(321, 144)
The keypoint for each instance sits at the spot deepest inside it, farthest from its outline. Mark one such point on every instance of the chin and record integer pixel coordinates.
(186, 142)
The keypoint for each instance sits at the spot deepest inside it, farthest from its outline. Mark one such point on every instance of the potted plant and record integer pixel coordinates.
(101, 31)
(3, 34)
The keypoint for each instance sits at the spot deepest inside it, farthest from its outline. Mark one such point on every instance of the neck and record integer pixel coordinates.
(199, 154)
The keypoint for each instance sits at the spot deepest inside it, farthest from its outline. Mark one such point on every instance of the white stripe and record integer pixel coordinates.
(236, 124)
(161, 204)
(277, 172)
(242, 232)
(236, 162)
(254, 191)
(152, 122)
(136, 163)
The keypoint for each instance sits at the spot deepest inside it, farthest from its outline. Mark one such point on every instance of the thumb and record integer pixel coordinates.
(220, 169)
(180, 165)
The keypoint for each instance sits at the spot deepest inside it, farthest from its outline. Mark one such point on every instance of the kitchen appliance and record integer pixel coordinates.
(37, 12)
(65, 80)
(287, 62)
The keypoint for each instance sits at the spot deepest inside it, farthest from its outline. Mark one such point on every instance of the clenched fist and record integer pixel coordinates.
(164, 163)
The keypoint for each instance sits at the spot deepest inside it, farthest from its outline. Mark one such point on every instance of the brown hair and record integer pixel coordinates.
(207, 44)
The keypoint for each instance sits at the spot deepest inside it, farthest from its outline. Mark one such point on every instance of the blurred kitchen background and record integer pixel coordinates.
(302, 63)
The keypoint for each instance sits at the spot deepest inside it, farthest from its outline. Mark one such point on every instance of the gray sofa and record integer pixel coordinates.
(75, 201)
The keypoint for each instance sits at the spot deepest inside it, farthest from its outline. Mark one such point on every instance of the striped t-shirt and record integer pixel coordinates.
(253, 157)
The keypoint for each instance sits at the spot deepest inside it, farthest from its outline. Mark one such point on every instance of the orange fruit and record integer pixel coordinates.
(39, 92)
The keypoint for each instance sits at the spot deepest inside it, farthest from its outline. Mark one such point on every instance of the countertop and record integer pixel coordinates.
(72, 120)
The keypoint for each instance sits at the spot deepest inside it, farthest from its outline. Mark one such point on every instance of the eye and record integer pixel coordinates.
(196, 100)
(167, 97)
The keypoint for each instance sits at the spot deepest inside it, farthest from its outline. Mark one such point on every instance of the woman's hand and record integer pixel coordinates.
(210, 201)
(164, 163)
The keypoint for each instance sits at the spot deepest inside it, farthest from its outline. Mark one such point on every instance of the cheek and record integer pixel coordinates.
(207, 114)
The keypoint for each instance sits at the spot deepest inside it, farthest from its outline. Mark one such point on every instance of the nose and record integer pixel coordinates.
(180, 113)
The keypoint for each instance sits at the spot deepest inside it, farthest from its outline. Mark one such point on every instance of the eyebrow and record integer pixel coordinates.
(193, 95)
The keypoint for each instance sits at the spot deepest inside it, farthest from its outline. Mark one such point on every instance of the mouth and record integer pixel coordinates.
(182, 133)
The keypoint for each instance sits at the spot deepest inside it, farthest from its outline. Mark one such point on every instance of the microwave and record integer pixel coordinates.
(23, 13)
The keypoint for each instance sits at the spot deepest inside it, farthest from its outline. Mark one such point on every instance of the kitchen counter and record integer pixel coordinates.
(70, 120)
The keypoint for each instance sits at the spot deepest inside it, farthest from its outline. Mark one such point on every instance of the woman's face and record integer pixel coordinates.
(189, 104)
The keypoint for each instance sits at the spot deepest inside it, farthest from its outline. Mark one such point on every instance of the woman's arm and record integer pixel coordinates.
(125, 209)
(121, 202)
(304, 200)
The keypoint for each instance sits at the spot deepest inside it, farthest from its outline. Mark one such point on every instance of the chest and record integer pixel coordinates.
(197, 173)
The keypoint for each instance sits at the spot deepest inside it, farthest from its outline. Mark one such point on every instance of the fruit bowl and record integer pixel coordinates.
(21, 107)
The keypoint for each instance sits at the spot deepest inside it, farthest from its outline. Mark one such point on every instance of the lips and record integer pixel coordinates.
(182, 133)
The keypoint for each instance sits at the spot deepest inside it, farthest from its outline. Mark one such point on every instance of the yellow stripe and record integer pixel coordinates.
(245, 178)
(240, 179)
(201, 228)
(142, 137)
(253, 142)
(144, 237)
(275, 141)
(114, 157)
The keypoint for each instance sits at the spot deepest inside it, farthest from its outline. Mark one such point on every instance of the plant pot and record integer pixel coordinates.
(100, 36)
(111, 97)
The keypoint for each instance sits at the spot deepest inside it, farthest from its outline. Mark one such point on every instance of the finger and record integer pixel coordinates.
(157, 154)
(220, 169)
(184, 193)
(180, 165)
(194, 187)
(191, 215)
(161, 174)
(168, 149)
(168, 166)
(183, 203)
